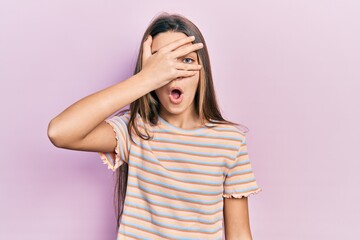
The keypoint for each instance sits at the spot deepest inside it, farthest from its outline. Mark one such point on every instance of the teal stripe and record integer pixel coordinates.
(125, 117)
(164, 184)
(169, 225)
(154, 231)
(129, 234)
(215, 136)
(174, 216)
(239, 191)
(186, 160)
(154, 160)
(196, 199)
(241, 153)
(239, 172)
(177, 150)
(239, 181)
(197, 143)
(182, 208)
(239, 162)
(228, 129)
(124, 130)
(108, 155)
(186, 180)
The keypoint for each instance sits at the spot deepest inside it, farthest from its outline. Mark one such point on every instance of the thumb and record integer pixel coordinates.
(146, 49)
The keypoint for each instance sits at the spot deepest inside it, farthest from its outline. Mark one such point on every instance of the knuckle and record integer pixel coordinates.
(198, 45)
(173, 65)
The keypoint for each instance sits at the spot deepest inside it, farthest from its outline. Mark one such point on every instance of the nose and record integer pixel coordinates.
(177, 79)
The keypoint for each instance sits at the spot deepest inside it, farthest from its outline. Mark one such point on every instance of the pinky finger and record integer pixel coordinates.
(186, 73)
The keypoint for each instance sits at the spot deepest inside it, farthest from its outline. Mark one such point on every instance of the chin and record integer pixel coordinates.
(174, 109)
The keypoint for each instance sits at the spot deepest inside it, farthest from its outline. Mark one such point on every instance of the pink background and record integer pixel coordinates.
(288, 70)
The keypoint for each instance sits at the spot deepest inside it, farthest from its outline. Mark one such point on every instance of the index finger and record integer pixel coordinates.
(173, 45)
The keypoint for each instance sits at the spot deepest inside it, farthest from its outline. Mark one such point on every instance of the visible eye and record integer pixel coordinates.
(190, 59)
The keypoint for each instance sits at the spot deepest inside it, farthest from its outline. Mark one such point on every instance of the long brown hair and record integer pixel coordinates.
(148, 106)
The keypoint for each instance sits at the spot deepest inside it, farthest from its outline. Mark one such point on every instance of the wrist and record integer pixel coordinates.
(147, 82)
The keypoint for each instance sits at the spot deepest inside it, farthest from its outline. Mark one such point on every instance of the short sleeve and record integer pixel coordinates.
(121, 152)
(239, 177)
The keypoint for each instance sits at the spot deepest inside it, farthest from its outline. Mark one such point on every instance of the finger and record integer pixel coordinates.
(184, 73)
(147, 48)
(173, 45)
(186, 66)
(188, 49)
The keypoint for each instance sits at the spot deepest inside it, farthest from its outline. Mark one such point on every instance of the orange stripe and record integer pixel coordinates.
(172, 209)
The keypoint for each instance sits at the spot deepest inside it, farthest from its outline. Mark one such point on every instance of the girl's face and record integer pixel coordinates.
(170, 103)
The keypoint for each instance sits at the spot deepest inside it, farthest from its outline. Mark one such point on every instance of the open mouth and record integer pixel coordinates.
(176, 95)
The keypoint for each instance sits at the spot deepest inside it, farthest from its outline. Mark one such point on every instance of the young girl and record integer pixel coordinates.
(182, 169)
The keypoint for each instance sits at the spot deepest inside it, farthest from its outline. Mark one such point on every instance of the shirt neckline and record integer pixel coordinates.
(195, 130)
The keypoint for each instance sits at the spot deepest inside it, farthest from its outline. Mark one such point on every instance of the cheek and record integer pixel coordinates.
(194, 80)
(157, 92)
(192, 83)
(160, 92)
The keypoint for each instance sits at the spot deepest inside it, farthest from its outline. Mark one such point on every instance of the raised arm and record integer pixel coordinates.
(81, 126)
(75, 123)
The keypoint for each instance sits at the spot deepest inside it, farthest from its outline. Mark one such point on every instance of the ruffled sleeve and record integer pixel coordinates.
(115, 159)
(239, 177)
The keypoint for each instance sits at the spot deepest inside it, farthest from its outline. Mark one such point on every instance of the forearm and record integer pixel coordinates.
(236, 219)
(242, 233)
(76, 121)
(243, 237)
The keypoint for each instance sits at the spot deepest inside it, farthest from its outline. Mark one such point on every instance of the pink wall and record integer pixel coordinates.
(289, 70)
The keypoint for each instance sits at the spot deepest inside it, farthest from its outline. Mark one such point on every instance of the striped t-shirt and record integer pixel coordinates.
(178, 179)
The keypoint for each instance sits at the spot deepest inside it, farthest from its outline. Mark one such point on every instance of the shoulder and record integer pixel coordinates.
(122, 116)
(229, 135)
(138, 122)
(229, 130)
(126, 114)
